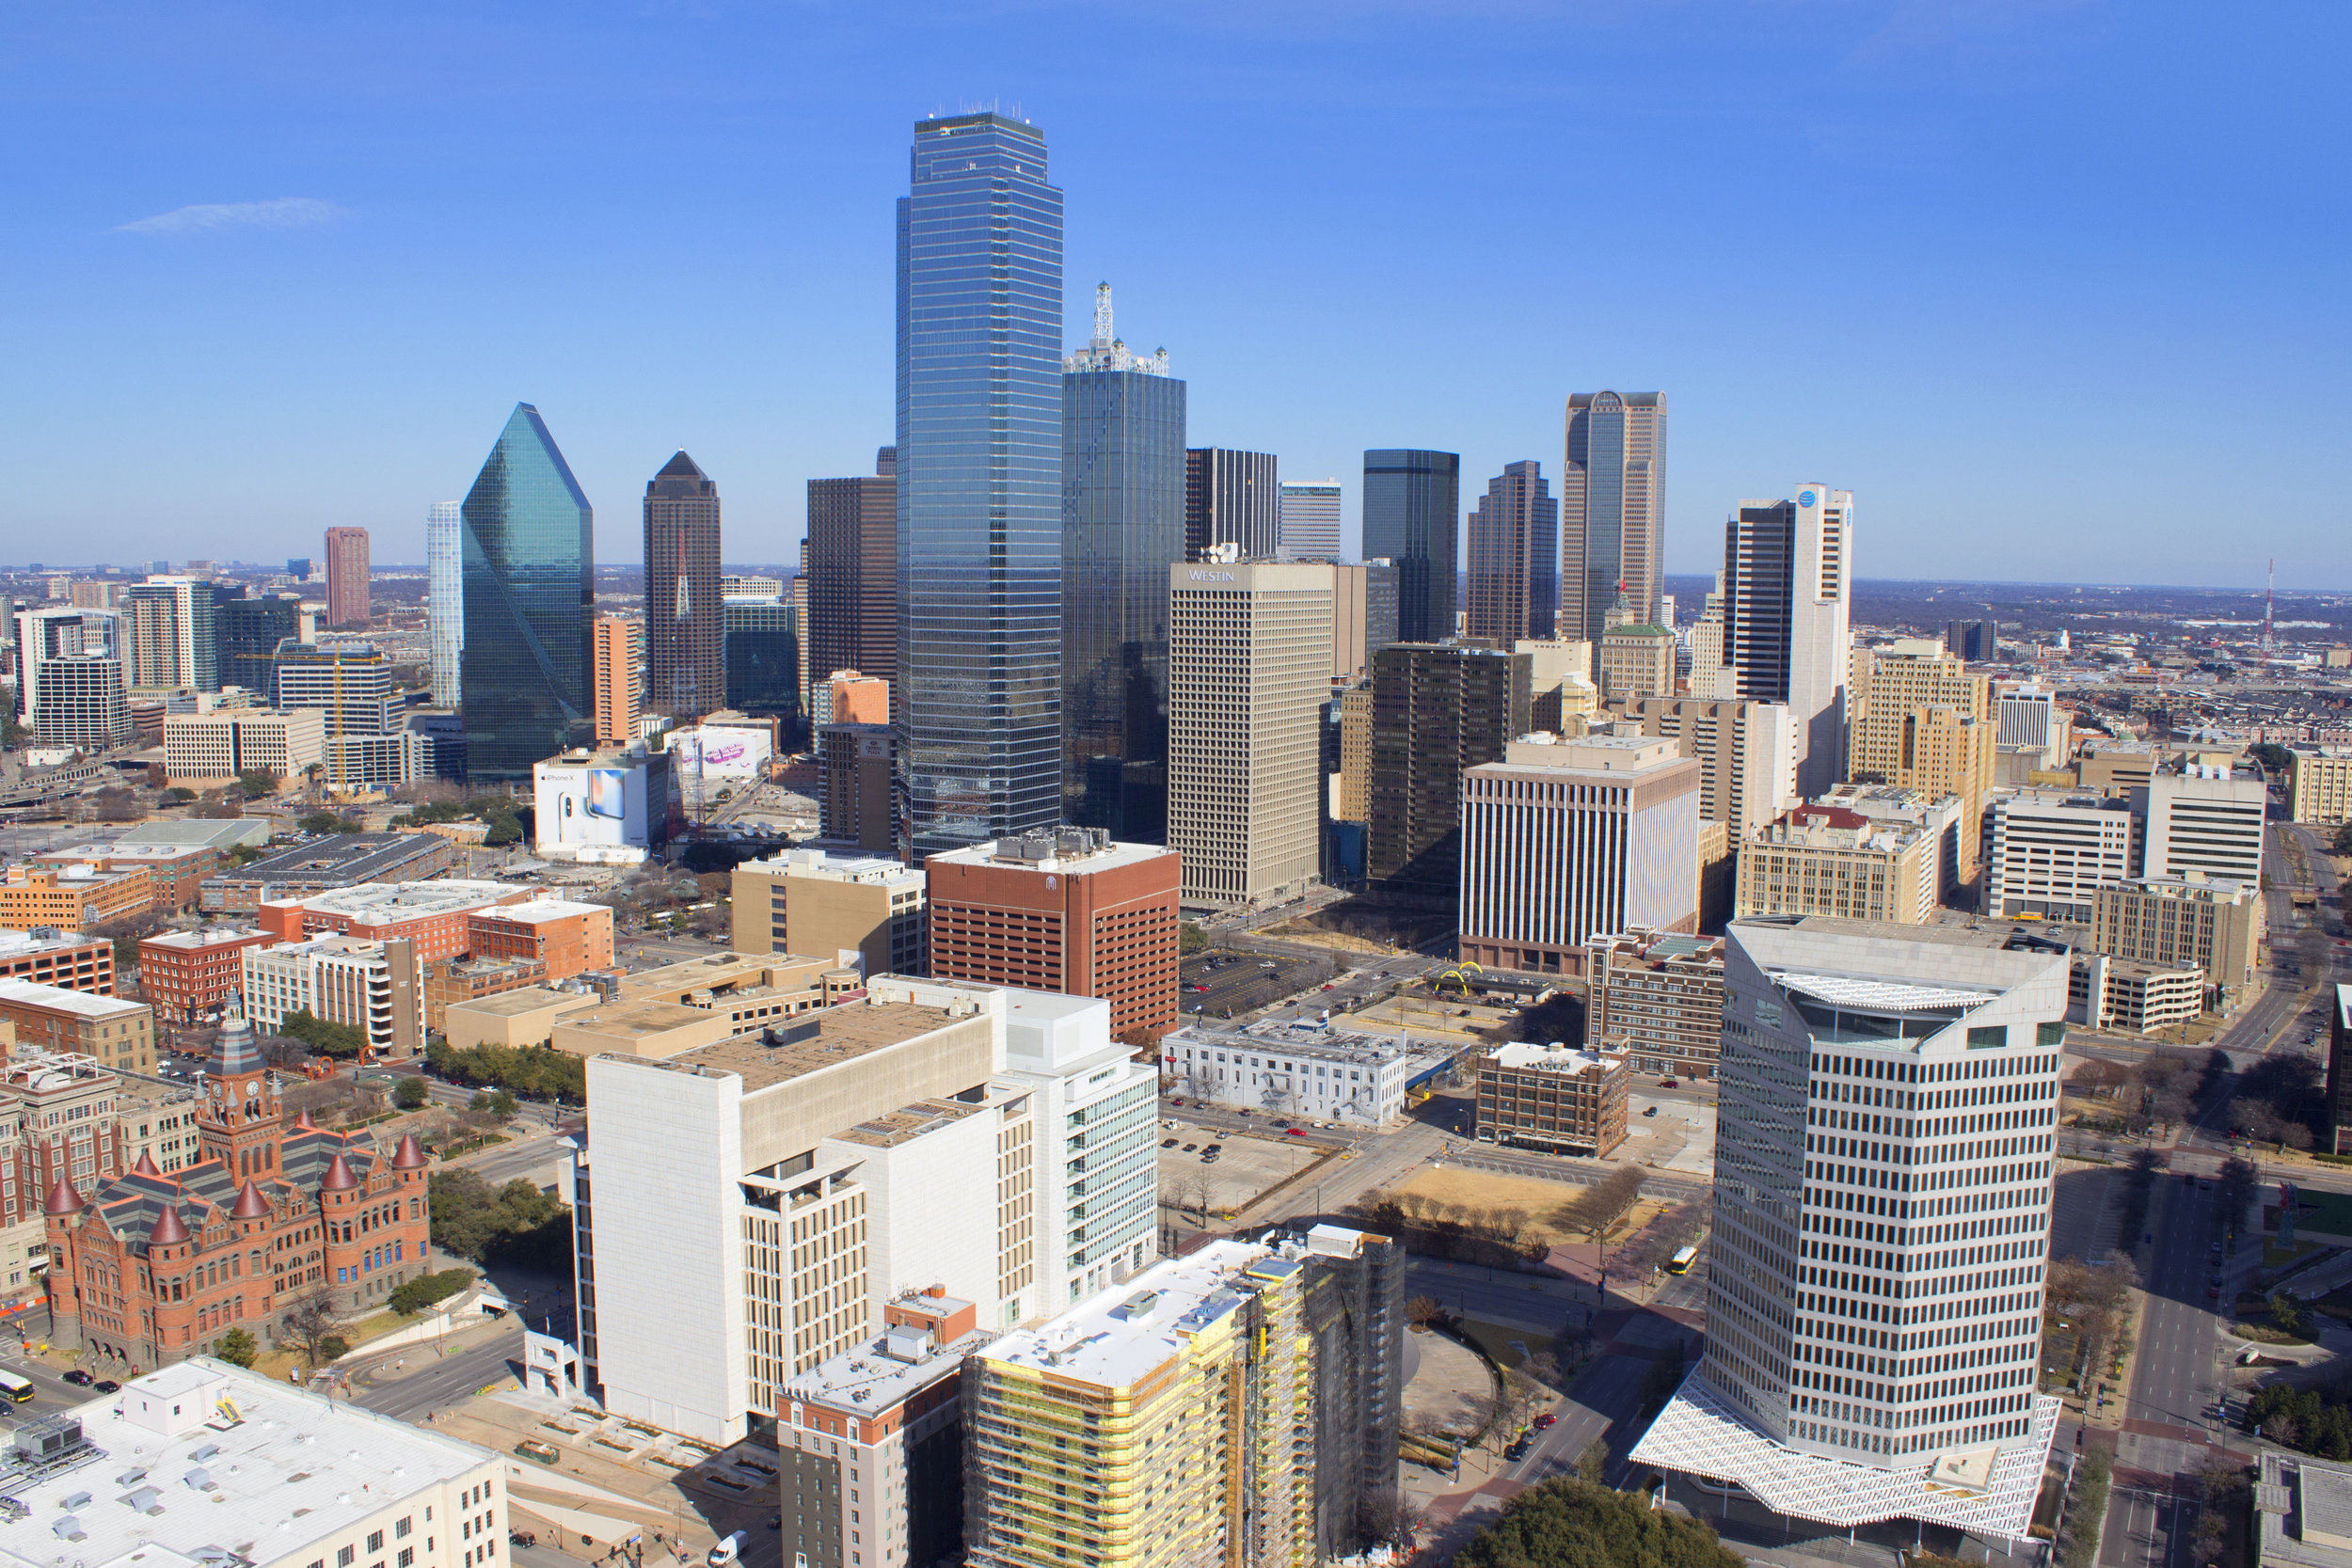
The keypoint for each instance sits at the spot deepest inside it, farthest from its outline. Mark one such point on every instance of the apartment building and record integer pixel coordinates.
(809, 901)
(2125, 996)
(563, 936)
(1222, 1407)
(1831, 861)
(186, 975)
(111, 1031)
(1438, 710)
(2319, 785)
(1553, 1098)
(49, 956)
(438, 917)
(855, 764)
(1562, 839)
(1846, 1376)
(1063, 909)
(617, 654)
(1249, 676)
(71, 898)
(1326, 1075)
(2215, 927)
(374, 987)
(2050, 852)
(207, 750)
(1656, 997)
(817, 1169)
(1746, 753)
(2205, 822)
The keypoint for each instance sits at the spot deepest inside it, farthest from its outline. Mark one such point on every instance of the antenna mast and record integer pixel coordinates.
(2270, 601)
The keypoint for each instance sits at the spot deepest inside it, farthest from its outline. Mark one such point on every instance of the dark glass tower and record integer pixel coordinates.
(1515, 557)
(248, 631)
(853, 573)
(1233, 497)
(685, 642)
(1613, 510)
(1122, 459)
(530, 550)
(763, 659)
(1413, 504)
(980, 485)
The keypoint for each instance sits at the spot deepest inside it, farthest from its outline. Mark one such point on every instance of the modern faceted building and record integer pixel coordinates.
(979, 483)
(1123, 526)
(685, 633)
(1412, 507)
(529, 537)
(1514, 558)
(1882, 1195)
(1613, 510)
(445, 587)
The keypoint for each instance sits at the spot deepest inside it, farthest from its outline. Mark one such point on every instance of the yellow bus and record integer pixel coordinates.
(1680, 1263)
(14, 1389)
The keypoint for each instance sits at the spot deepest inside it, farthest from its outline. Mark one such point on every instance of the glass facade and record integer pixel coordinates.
(1123, 528)
(763, 659)
(687, 677)
(979, 498)
(1515, 557)
(248, 631)
(1412, 507)
(529, 537)
(445, 585)
(1611, 510)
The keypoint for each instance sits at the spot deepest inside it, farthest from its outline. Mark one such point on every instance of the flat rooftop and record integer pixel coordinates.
(536, 910)
(871, 1379)
(1117, 1338)
(338, 857)
(196, 941)
(377, 902)
(532, 999)
(1567, 1061)
(1033, 854)
(907, 1123)
(284, 1467)
(31, 993)
(21, 945)
(1279, 1037)
(210, 835)
(819, 1040)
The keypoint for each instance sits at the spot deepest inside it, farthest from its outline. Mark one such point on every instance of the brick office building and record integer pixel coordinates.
(1064, 909)
(437, 916)
(184, 974)
(108, 1030)
(149, 1268)
(567, 939)
(48, 956)
(71, 898)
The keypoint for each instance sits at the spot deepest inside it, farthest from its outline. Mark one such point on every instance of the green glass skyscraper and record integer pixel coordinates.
(529, 566)
(980, 485)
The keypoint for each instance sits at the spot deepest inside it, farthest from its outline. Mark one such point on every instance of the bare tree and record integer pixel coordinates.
(312, 1324)
(1601, 1205)
(1424, 1310)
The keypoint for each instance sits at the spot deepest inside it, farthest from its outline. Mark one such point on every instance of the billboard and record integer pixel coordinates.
(721, 752)
(578, 808)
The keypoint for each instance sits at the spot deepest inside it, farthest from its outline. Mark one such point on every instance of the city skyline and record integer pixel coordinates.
(1902, 373)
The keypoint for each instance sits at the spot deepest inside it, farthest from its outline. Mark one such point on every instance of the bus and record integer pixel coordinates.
(15, 1388)
(1680, 1263)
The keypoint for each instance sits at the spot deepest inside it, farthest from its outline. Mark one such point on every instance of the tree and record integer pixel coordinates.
(311, 1324)
(327, 1039)
(1593, 1464)
(237, 1348)
(2344, 846)
(1424, 1310)
(412, 1094)
(1601, 1205)
(412, 1296)
(498, 1102)
(1570, 1522)
(327, 823)
(474, 1220)
(179, 795)
(257, 782)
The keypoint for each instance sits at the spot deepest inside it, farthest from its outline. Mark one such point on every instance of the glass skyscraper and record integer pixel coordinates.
(445, 585)
(1412, 510)
(979, 483)
(529, 537)
(762, 651)
(1613, 510)
(1122, 527)
(247, 629)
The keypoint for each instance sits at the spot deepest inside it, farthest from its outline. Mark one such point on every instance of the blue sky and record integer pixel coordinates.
(2056, 286)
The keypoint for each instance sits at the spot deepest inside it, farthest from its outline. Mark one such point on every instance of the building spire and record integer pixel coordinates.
(1102, 316)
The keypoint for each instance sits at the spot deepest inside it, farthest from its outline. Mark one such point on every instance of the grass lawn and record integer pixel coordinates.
(2276, 1256)
(2329, 1213)
(276, 1363)
(1503, 1344)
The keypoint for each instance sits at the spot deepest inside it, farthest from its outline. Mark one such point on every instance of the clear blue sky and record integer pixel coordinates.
(2058, 287)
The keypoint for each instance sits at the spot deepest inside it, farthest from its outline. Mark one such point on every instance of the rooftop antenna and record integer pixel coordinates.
(1101, 315)
(2270, 600)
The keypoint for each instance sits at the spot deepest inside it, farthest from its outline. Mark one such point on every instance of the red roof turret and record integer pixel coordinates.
(169, 1229)
(410, 1155)
(303, 1124)
(147, 1166)
(339, 1177)
(63, 1199)
(252, 1205)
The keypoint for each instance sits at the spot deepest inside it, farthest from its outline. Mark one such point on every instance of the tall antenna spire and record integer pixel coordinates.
(1101, 315)
(2270, 598)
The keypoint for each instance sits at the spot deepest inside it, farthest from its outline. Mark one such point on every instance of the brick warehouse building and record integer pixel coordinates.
(1061, 910)
(151, 1268)
(184, 974)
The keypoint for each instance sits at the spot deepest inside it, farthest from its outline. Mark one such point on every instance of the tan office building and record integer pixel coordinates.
(1920, 719)
(1636, 661)
(1355, 800)
(1826, 859)
(1746, 753)
(203, 751)
(617, 648)
(1248, 672)
(808, 901)
(107, 1030)
(2319, 785)
(2215, 927)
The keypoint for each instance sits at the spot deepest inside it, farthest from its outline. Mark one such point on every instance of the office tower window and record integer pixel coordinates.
(684, 635)
(1233, 497)
(1613, 510)
(1412, 504)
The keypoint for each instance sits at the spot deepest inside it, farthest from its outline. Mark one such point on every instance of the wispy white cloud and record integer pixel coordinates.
(287, 211)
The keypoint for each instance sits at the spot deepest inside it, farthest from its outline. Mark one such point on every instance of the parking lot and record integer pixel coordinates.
(1247, 1166)
(1221, 984)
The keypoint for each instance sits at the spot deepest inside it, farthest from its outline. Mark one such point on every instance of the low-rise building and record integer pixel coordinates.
(323, 865)
(452, 981)
(683, 1007)
(808, 901)
(111, 1031)
(2319, 785)
(2172, 921)
(358, 1484)
(529, 1016)
(2130, 997)
(72, 897)
(159, 1123)
(186, 975)
(437, 916)
(1831, 861)
(175, 872)
(205, 750)
(1555, 1098)
(566, 938)
(376, 987)
(1301, 1070)
(2302, 1513)
(1942, 817)
(613, 805)
(1659, 996)
(49, 956)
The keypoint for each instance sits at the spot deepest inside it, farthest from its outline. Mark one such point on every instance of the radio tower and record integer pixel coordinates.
(2270, 600)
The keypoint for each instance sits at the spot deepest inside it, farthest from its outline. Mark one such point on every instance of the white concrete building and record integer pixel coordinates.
(377, 987)
(1787, 589)
(2205, 823)
(1309, 528)
(1296, 1069)
(204, 1463)
(1884, 1183)
(2049, 852)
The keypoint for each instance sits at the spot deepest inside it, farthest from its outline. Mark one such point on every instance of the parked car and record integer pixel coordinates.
(1189, 1148)
(1168, 1142)
(1546, 1421)
(1298, 1132)
(79, 1378)
(105, 1385)
(1670, 1082)
(521, 1538)
(1649, 1110)
(1518, 1448)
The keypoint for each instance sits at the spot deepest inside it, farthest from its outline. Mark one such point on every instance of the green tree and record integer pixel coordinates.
(498, 1102)
(179, 795)
(1190, 938)
(327, 823)
(411, 1094)
(257, 782)
(2344, 839)
(518, 1221)
(237, 1348)
(1568, 1522)
(413, 1296)
(327, 1039)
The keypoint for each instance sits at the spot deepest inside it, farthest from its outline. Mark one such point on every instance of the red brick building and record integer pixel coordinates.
(1066, 910)
(434, 915)
(149, 1268)
(175, 872)
(570, 938)
(184, 974)
(49, 956)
